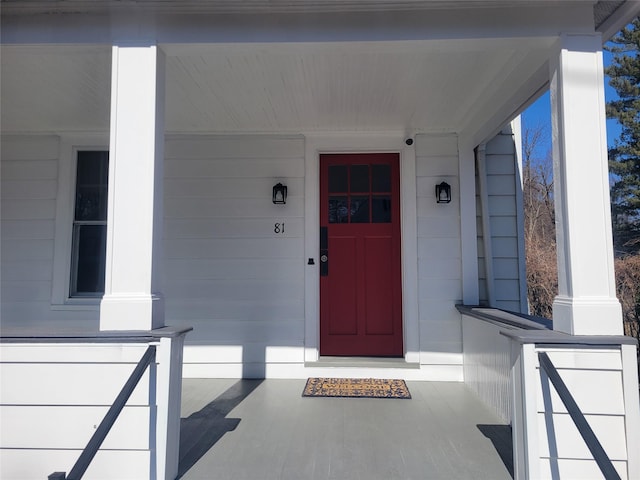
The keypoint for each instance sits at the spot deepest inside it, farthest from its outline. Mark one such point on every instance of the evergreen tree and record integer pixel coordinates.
(624, 156)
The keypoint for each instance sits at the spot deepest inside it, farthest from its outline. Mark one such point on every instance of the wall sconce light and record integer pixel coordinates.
(279, 194)
(443, 193)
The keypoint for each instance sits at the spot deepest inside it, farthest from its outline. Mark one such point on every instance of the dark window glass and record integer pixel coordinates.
(88, 249)
(359, 209)
(338, 210)
(360, 178)
(90, 241)
(381, 209)
(380, 178)
(91, 186)
(338, 179)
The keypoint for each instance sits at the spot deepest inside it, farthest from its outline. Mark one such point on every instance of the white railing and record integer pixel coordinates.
(502, 353)
(579, 420)
(56, 389)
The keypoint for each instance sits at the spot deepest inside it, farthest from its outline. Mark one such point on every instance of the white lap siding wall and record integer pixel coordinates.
(234, 267)
(505, 225)
(439, 255)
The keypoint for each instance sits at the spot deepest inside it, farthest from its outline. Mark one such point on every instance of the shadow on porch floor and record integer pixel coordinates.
(265, 429)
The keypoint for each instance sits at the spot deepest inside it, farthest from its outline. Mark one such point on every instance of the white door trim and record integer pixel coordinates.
(358, 143)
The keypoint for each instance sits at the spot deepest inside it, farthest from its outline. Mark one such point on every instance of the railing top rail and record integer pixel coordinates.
(27, 335)
(522, 329)
(503, 317)
(552, 337)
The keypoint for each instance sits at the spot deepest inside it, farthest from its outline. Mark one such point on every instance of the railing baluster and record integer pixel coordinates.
(599, 455)
(109, 419)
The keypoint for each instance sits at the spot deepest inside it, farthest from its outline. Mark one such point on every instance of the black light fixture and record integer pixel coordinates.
(279, 194)
(443, 193)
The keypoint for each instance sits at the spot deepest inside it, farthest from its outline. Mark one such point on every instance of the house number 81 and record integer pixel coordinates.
(278, 228)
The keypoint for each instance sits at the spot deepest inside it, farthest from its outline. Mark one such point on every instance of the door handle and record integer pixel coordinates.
(324, 252)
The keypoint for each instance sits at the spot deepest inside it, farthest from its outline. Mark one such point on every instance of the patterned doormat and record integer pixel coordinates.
(356, 387)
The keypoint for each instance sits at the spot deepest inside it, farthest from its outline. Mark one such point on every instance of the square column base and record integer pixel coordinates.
(131, 312)
(587, 316)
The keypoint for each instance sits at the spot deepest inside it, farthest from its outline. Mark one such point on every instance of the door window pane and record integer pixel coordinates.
(380, 178)
(338, 210)
(360, 178)
(381, 209)
(338, 179)
(360, 193)
(359, 209)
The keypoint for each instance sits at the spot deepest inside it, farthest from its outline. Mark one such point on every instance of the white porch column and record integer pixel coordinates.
(586, 303)
(132, 299)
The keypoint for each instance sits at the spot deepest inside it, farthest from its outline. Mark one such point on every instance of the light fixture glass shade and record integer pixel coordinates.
(279, 194)
(443, 193)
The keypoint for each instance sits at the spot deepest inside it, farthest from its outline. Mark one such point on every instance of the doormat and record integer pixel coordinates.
(356, 387)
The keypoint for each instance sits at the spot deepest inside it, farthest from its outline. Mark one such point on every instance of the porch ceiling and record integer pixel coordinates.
(411, 86)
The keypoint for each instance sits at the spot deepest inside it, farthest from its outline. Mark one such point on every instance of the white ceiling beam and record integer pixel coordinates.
(139, 24)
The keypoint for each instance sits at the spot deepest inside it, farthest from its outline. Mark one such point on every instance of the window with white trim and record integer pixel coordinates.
(89, 233)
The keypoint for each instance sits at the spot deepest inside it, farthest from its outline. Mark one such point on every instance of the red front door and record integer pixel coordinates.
(360, 287)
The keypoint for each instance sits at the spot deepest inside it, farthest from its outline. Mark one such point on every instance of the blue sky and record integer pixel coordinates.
(539, 113)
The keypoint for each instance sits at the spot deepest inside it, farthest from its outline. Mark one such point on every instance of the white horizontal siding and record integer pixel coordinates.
(68, 384)
(240, 290)
(550, 444)
(501, 163)
(235, 207)
(54, 395)
(28, 189)
(21, 167)
(234, 146)
(439, 251)
(203, 228)
(581, 371)
(228, 269)
(66, 427)
(501, 196)
(232, 354)
(507, 291)
(240, 248)
(27, 270)
(22, 229)
(242, 332)
(19, 464)
(228, 272)
(221, 188)
(70, 352)
(577, 468)
(609, 429)
(502, 205)
(28, 209)
(192, 310)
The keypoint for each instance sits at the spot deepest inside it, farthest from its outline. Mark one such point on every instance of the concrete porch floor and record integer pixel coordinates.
(265, 429)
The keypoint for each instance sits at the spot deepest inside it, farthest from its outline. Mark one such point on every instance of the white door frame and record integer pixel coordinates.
(316, 144)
